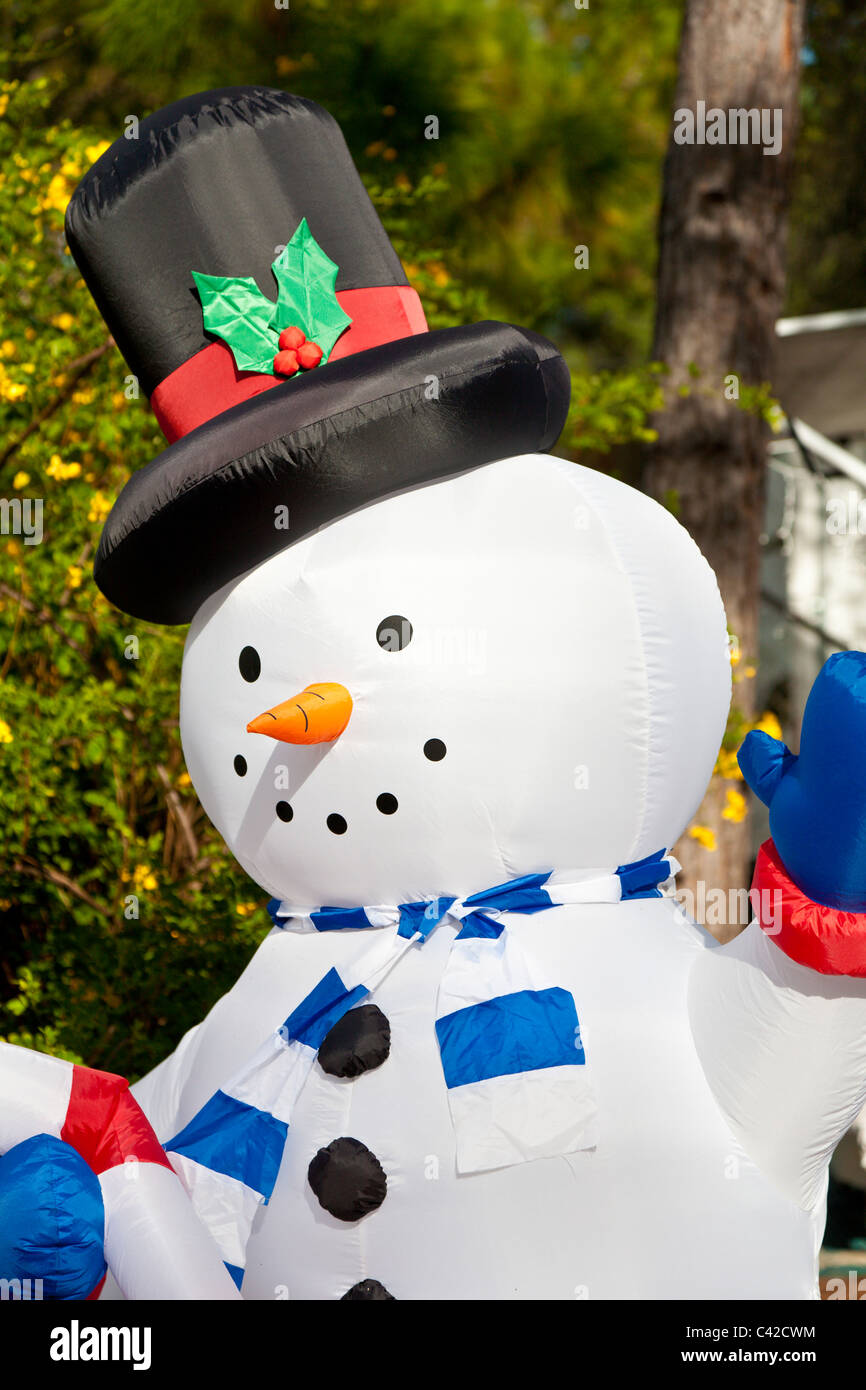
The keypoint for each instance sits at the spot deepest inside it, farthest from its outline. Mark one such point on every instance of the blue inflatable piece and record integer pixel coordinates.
(52, 1221)
(817, 800)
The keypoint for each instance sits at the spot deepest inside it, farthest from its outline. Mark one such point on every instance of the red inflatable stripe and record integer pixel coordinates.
(826, 939)
(209, 383)
(106, 1125)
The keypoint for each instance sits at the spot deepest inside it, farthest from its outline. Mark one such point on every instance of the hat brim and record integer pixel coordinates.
(213, 505)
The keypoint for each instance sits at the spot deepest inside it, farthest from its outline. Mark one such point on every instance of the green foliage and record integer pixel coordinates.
(90, 764)
(610, 408)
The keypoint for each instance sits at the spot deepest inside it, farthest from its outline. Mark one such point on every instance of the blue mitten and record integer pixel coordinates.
(52, 1222)
(817, 800)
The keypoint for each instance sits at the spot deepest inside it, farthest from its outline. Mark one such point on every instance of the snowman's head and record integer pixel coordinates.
(522, 668)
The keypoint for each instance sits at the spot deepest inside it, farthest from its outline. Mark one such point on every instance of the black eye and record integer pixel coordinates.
(435, 750)
(394, 633)
(250, 664)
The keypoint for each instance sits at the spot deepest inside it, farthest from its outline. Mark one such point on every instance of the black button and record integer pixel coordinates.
(360, 1041)
(348, 1179)
(368, 1291)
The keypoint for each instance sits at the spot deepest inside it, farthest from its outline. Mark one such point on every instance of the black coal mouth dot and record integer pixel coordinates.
(240, 765)
(387, 803)
(435, 750)
(284, 810)
(336, 824)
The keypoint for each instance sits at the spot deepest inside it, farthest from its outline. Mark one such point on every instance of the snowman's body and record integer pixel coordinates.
(668, 1205)
(568, 650)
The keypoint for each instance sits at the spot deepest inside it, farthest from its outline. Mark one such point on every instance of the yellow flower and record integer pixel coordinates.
(56, 195)
(144, 877)
(63, 321)
(100, 506)
(6, 735)
(13, 390)
(769, 724)
(93, 152)
(184, 780)
(4, 102)
(74, 576)
(244, 909)
(727, 765)
(8, 348)
(20, 480)
(13, 548)
(60, 470)
(704, 836)
(735, 808)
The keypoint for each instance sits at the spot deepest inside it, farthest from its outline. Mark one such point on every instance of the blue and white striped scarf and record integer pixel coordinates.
(514, 1063)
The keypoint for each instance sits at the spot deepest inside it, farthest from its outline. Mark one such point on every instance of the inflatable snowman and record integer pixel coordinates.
(449, 700)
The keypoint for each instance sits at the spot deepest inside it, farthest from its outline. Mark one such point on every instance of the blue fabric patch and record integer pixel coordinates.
(817, 798)
(236, 1139)
(524, 894)
(512, 1033)
(476, 924)
(639, 879)
(324, 1006)
(237, 1274)
(52, 1220)
(421, 918)
(340, 919)
(271, 908)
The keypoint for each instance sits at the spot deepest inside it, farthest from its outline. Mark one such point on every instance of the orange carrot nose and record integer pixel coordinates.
(318, 715)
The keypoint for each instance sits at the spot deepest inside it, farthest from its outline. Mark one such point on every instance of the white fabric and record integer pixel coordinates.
(34, 1094)
(515, 1119)
(784, 1050)
(155, 1245)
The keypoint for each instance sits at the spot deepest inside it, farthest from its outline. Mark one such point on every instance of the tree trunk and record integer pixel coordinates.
(720, 287)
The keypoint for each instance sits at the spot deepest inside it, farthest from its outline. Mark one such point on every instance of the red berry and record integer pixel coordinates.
(309, 355)
(286, 363)
(291, 338)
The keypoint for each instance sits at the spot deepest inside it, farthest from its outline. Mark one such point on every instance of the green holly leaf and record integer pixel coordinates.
(235, 310)
(306, 277)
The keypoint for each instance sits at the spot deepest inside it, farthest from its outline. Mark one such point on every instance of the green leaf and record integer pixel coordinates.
(235, 310)
(306, 278)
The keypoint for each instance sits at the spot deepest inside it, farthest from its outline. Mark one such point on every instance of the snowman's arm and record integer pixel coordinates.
(783, 1048)
(779, 1014)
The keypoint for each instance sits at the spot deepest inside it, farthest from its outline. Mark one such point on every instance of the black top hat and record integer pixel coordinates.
(218, 183)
